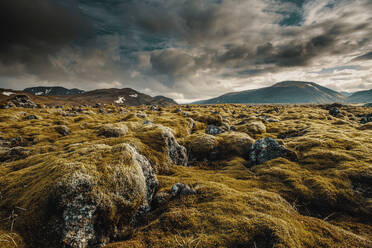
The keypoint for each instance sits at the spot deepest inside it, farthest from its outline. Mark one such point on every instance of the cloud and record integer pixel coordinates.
(367, 56)
(32, 30)
(187, 49)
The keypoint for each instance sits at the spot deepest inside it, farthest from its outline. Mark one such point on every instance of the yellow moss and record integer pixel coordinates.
(319, 201)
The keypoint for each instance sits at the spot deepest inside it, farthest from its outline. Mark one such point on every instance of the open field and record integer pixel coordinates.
(82, 176)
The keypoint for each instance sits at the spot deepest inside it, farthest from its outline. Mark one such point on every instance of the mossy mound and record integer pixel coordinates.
(81, 202)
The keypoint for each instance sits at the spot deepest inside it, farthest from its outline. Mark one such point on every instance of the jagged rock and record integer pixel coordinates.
(192, 125)
(335, 112)
(12, 154)
(18, 141)
(162, 139)
(366, 119)
(63, 130)
(180, 189)
(141, 115)
(267, 149)
(214, 130)
(151, 180)
(176, 152)
(113, 130)
(23, 101)
(147, 122)
(102, 111)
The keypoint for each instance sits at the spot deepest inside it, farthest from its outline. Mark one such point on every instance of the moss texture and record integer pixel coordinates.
(321, 200)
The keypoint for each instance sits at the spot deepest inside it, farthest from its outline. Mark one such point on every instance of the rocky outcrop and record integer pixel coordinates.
(87, 202)
(63, 130)
(267, 149)
(162, 139)
(180, 189)
(335, 112)
(14, 153)
(177, 153)
(214, 130)
(23, 101)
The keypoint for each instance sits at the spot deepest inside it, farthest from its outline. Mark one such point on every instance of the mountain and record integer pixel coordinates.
(124, 96)
(345, 93)
(55, 96)
(283, 92)
(361, 96)
(52, 91)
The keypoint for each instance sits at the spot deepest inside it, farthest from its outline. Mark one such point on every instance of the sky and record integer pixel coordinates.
(185, 49)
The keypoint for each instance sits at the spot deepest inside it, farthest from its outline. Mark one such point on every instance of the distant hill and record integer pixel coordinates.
(126, 96)
(361, 97)
(283, 92)
(52, 91)
(345, 93)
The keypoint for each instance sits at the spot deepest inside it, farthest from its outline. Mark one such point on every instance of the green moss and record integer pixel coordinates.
(320, 201)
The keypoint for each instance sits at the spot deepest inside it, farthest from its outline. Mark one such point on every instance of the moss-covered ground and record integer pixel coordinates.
(322, 200)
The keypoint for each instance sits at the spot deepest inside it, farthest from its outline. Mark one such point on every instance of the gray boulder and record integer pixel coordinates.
(177, 153)
(63, 130)
(214, 130)
(31, 117)
(180, 189)
(23, 101)
(267, 149)
(12, 154)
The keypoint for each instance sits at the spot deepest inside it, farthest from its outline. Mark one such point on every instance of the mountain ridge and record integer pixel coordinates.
(281, 92)
(124, 96)
(52, 91)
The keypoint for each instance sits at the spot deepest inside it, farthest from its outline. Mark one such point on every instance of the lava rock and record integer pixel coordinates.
(267, 149)
(180, 189)
(23, 101)
(214, 130)
(335, 112)
(63, 130)
(13, 154)
(177, 153)
(31, 117)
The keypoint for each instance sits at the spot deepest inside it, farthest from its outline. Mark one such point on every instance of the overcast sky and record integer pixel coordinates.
(185, 49)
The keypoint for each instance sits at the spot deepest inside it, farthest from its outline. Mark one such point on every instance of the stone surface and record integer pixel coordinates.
(63, 130)
(180, 189)
(267, 149)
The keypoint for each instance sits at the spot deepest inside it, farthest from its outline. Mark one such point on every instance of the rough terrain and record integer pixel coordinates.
(186, 176)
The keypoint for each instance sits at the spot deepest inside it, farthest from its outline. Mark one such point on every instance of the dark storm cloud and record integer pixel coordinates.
(32, 30)
(367, 56)
(191, 20)
(180, 47)
(172, 62)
